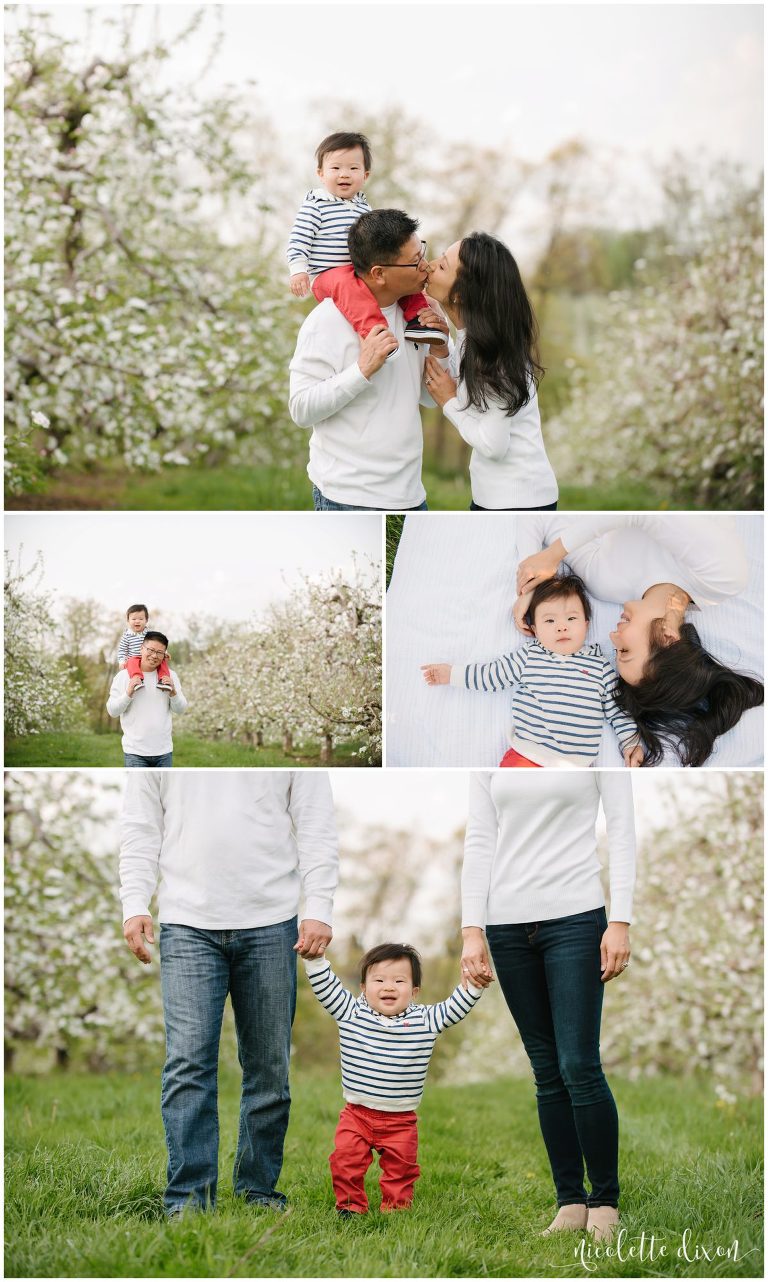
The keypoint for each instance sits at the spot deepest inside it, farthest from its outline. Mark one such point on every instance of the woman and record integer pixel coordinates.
(495, 407)
(531, 886)
(680, 697)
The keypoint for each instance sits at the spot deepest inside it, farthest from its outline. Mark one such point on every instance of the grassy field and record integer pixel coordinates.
(228, 488)
(88, 749)
(85, 1164)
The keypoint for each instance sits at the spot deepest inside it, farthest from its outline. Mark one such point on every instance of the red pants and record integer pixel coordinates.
(355, 300)
(133, 668)
(512, 758)
(360, 1132)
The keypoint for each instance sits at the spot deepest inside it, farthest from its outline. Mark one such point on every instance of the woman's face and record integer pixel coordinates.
(632, 637)
(442, 273)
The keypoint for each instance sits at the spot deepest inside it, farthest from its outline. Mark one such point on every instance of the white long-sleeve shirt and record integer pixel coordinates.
(508, 467)
(559, 701)
(530, 851)
(366, 442)
(318, 238)
(146, 715)
(384, 1058)
(620, 557)
(231, 849)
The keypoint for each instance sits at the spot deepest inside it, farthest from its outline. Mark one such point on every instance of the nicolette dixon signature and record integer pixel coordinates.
(648, 1247)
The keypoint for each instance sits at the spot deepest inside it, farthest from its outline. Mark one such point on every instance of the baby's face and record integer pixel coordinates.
(388, 986)
(137, 621)
(561, 625)
(343, 173)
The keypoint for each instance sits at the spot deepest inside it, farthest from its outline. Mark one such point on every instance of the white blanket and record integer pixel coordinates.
(450, 600)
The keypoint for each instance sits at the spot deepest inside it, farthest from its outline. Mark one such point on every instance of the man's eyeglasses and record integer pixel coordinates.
(154, 654)
(418, 262)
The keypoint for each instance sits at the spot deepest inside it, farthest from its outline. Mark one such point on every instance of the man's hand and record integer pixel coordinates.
(137, 933)
(437, 674)
(300, 285)
(633, 756)
(440, 385)
(133, 685)
(519, 612)
(614, 950)
(314, 938)
(475, 963)
(375, 348)
(170, 688)
(541, 566)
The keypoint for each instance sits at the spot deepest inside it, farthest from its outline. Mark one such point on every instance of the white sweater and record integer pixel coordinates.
(232, 849)
(530, 852)
(620, 557)
(508, 467)
(146, 716)
(366, 441)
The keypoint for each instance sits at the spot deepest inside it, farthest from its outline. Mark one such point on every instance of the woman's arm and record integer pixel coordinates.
(618, 807)
(479, 851)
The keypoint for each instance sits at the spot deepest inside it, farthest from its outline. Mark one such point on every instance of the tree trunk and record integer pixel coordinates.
(62, 1058)
(287, 741)
(259, 738)
(10, 1056)
(326, 748)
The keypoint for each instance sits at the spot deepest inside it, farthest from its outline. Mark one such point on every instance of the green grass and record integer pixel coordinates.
(85, 1165)
(89, 749)
(229, 488)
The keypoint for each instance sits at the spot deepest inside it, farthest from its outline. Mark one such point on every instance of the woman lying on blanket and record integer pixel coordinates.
(669, 689)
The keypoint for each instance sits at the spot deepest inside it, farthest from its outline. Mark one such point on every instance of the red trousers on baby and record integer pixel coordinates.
(355, 300)
(133, 668)
(512, 758)
(361, 1132)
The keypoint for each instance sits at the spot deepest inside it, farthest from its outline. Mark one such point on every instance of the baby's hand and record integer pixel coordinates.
(300, 285)
(437, 674)
(633, 756)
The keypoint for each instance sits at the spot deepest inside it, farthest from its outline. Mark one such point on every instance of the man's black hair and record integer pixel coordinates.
(376, 239)
(156, 636)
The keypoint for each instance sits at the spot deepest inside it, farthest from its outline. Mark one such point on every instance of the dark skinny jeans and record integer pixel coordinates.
(549, 973)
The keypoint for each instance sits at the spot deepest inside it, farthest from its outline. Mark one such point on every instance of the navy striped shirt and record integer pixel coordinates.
(130, 644)
(560, 701)
(318, 240)
(384, 1058)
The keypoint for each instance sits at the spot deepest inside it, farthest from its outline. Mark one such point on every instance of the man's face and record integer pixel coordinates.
(561, 625)
(408, 274)
(388, 986)
(343, 173)
(137, 621)
(152, 654)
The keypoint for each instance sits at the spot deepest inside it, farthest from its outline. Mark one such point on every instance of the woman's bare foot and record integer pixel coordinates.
(603, 1222)
(569, 1218)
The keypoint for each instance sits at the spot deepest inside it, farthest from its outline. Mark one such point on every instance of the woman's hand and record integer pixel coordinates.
(440, 385)
(475, 963)
(437, 674)
(541, 566)
(519, 612)
(434, 318)
(614, 950)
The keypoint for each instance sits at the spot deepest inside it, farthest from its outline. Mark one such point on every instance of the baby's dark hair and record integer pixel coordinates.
(554, 590)
(392, 952)
(134, 609)
(344, 142)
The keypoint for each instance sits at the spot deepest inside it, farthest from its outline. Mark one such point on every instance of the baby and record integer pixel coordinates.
(563, 688)
(318, 255)
(386, 1041)
(129, 648)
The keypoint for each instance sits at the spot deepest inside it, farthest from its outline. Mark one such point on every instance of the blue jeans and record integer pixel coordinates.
(148, 763)
(197, 969)
(322, 504)
(549, 973)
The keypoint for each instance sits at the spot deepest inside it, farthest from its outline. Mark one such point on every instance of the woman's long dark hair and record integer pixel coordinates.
(686, 699)
(501, 355)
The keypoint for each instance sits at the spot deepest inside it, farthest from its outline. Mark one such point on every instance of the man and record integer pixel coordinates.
(363, 408)
(232, 851)
(144, 707)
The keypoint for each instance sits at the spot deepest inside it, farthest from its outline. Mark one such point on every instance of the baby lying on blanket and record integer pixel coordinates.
(562, 687)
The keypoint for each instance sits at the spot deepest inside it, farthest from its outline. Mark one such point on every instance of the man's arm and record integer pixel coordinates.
(141, 838)
(178, 700)
(119, 698)
(329, 990)
(314, 824)
(318, 388)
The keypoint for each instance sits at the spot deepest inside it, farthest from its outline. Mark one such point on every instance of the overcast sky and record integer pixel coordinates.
(646, 79)
(228, 564)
